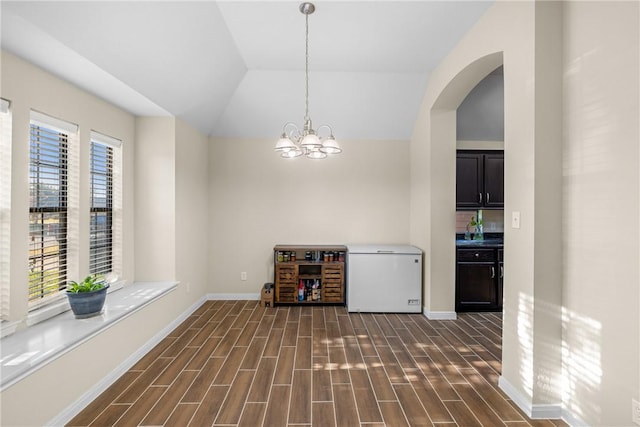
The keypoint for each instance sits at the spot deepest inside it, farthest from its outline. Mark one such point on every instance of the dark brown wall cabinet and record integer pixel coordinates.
(479, 180)
(479, 280)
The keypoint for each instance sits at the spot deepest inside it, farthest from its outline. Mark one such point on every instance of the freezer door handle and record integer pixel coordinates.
(381, 251)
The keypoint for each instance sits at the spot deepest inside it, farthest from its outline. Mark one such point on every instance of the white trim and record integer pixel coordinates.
(550, 411)
(515, 395)
(4, 105)
(5, 212)
(7, 328)
(537, 411)
(440, 315)
(470, 144)
(233, 297)
(25, 351)
(45, 120)
(105, 139)
(74, 409)
(572, 419)
(58, 304)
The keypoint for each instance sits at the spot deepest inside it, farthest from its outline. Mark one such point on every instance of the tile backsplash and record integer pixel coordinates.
(493, 220)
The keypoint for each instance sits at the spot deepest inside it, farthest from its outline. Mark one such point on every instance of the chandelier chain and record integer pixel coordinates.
(306, 66)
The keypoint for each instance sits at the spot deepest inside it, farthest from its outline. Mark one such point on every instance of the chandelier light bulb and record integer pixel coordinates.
(316, 154)
(311, 140)
(296, 142)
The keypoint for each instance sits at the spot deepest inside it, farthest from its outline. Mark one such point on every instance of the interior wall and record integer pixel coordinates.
(547, 216)
(170, 167)
(601, 188)
(258, 200)
(155, 183)
(505, 34)
(192, 211)
(29, 87)
(60, 383)
(480, 117)
(598, 348)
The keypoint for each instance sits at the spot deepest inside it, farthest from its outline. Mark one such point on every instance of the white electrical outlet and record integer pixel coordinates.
(515, 219)
(635, 408)
(243, 275)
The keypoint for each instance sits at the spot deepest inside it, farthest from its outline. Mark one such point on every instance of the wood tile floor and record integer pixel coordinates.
(233, 363)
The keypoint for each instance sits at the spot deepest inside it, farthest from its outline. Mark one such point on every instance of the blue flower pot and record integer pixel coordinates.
(87, 304)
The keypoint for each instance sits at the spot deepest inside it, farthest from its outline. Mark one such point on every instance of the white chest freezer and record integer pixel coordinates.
(384, 278)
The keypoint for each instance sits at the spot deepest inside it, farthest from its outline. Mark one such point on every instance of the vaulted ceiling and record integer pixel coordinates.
(236, 68)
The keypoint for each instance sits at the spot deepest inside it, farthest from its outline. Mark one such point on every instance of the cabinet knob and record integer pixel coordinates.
(477, 254)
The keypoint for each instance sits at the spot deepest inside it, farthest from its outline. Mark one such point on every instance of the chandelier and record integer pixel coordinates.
(295, 142)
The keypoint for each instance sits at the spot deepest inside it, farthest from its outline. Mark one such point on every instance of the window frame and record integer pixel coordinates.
(5, 208)
(101, 180)
(43, 131)
(113, 205)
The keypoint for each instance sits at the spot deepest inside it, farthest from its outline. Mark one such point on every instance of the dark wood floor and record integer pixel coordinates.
(233, 363)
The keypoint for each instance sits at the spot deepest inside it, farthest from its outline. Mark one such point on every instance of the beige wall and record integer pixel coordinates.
(570, 163)
(192, 211)
(155, 181)
(394, 191)
(259, 200)
(28, 87)
(165, 193)
(600, 183)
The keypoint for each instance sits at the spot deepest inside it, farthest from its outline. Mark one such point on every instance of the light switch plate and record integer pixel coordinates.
(515, 219)
(635, 408)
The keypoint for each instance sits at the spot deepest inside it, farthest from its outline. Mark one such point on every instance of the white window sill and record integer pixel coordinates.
(59, 306)
(29, 349)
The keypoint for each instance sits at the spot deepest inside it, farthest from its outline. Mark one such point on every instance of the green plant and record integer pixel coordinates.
(473, 222)
(88, 284)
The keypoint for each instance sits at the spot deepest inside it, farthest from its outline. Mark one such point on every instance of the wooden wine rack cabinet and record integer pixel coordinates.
(322, 278)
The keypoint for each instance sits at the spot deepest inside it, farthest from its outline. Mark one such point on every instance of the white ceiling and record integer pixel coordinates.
(236, 68)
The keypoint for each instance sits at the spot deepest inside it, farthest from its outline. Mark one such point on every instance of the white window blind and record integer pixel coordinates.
(105, 166)
(50, 143)
(5, 207)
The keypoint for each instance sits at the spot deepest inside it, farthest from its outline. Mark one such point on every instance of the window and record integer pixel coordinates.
(49, 146)
(5, 206)
(104, 167)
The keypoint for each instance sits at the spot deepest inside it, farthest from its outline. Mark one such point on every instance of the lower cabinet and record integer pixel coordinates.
(479, 279)
(309, 274)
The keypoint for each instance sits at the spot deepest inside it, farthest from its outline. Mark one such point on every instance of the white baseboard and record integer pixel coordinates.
(233, 297)
(72, 410)
(538, 411)
(440, 315)
(573, 420)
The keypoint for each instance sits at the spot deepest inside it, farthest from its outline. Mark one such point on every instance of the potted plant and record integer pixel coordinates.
(87, 297)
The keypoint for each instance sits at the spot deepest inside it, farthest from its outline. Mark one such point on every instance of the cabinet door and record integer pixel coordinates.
(500, 284)
(469, 178)
(286, 283)
(333, 282)
(476, 287)
(494, 180)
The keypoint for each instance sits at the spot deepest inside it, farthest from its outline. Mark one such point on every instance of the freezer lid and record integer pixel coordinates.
(383, 249)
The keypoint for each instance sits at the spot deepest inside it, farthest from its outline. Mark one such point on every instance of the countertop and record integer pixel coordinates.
(485, 243)
(491, 240)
